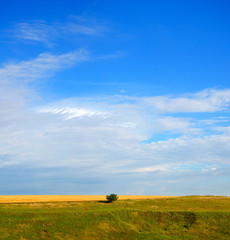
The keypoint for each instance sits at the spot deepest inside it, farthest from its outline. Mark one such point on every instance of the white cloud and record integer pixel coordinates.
(44, 65)
(224, 130)
(16, 96)
(37, 31)
(209, 100)
(163, 167)
(109, 135)
(175, 124)
(103, 136)
(42, 32)
(212, 149)
(73, 112)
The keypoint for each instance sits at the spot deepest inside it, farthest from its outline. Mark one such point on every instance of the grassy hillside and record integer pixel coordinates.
(170, 218)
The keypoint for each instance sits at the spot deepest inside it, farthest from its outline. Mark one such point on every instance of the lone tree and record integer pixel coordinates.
(112, 197)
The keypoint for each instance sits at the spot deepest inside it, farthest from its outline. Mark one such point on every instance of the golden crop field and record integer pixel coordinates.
(67, 198)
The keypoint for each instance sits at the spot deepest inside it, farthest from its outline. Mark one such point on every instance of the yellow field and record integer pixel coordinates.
(67, 198)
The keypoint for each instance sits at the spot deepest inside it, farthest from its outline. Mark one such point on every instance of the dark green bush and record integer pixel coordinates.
(112, 197)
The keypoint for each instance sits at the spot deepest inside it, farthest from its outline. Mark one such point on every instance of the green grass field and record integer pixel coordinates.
(192, 217)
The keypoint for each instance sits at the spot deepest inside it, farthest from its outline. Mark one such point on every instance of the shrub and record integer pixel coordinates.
(112, 197)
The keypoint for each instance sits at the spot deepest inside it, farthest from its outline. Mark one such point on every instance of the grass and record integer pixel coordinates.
(192, 217)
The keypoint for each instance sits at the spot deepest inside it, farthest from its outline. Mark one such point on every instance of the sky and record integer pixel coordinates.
(125, 97)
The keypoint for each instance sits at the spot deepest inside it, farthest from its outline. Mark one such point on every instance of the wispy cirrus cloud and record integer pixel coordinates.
(36, 31)
(42, 32)
(45, 64)
(73, 112)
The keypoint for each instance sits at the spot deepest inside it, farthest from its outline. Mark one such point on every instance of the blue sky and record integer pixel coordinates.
(130, 97)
